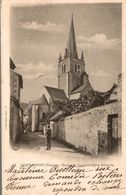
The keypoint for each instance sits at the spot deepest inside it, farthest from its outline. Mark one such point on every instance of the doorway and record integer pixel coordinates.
(113, 133)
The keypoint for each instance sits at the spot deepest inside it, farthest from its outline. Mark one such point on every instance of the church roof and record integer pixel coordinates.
(12, 65)
(71, 47)
(55, 93)
(79, 89)
(41, 101)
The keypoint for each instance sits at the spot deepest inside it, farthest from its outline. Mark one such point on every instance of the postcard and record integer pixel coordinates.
(63, 97)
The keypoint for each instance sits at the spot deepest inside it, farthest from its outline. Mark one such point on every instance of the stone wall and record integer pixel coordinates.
(61, 127)
(88, 130)
(15, 123)
(34, 120)
(14, 85)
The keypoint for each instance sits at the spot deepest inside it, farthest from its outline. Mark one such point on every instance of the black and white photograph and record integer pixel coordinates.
(65, 68)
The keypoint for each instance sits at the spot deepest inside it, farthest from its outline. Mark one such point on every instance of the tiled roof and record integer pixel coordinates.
(41, 101)
(79, 89)
(82, 87)
(12, 65)
(56, 94)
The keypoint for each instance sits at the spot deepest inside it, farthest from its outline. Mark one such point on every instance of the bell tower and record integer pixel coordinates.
(70, 67)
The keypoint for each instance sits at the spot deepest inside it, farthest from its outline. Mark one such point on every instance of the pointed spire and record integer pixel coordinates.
(82, 56)
(71, 43)
(60, 57)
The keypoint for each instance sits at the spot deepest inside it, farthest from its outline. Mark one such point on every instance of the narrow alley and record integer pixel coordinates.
(34, 145)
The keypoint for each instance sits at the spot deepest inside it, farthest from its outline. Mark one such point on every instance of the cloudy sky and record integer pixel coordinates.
(39, 33)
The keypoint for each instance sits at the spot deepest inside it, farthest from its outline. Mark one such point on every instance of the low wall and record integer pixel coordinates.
(58, 129)
(87, 130)
(61, 130)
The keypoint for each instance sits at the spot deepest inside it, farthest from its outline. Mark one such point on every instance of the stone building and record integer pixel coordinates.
(39, 111)
(37, 114)
(55, 98)
(72, 77)
(16, 113)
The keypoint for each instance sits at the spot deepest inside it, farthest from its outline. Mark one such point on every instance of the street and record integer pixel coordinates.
(33, 145)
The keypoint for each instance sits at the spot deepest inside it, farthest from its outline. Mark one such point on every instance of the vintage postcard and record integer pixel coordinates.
(63, 97)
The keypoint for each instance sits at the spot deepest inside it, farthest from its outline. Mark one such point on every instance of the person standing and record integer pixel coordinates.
(48, 136)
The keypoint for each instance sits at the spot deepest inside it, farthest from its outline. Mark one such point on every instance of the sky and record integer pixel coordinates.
(39, 33)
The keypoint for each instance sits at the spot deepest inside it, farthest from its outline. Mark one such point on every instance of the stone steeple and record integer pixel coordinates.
(71, 48)
(70, 67)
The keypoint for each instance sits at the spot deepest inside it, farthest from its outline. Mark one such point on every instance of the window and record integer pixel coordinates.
(112, 133)
(78, 68)
(75, 68)
(43, 116)
(64, 68)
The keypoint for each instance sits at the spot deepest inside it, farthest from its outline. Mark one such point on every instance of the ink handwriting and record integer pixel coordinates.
(61, 178)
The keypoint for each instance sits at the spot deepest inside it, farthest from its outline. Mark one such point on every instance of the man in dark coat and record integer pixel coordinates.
(48, 136)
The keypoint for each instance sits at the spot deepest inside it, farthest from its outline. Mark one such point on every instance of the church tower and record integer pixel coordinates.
(70, 66)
